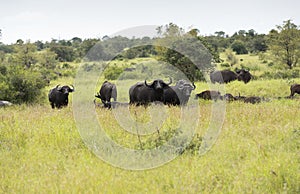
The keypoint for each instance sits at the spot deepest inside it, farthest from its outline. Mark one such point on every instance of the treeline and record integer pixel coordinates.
(242, 42)
(284, 38)
(27, 67)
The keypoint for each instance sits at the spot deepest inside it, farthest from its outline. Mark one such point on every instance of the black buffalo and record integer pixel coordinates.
(178, 94)
(114, 104)
(226, 76)
(59, 96)
(240, 98)
(253, 99)
(295, 88)
(107, 91)
(243, 75)
(228, 97)
(209, 95)
(144, 93)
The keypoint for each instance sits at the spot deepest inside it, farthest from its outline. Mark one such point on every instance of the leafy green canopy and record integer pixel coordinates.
(285, 43)
(184, 51)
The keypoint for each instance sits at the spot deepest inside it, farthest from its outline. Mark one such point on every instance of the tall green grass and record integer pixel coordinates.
(257, 151)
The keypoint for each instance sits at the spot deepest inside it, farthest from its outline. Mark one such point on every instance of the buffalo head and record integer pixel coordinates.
(243, 75)
(65, 89)
(185, 87)
(158, 84)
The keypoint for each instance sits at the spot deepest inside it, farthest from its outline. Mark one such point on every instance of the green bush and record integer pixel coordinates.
(281, 74)
(230, 57)
(181, 143)
(113, 72)
(239, 47)
(132, 75)
(21, 86)
(225, 65)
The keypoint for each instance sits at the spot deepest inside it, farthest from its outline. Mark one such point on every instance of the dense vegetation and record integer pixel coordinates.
(34, 65)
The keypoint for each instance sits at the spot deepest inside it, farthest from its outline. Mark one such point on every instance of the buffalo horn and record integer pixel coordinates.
(148, 85)
(170, 81)
(57, 87)
(194, 85)
(73, 88)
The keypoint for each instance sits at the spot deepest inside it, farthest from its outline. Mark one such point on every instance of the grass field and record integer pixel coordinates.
(257, 151)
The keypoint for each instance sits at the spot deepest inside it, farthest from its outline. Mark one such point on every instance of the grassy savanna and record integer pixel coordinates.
(257, 150)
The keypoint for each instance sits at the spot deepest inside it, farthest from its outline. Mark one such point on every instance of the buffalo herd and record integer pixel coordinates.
(145, 93)
(158, 91)
(216, 95)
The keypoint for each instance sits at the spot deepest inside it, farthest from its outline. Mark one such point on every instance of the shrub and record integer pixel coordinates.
(21, 86)
(132, 75)
(181, 143)
(92, 67)
(230, 57)
(281, 74)
(225, 65)
(66, 66)
(239, 47)
(113, 72)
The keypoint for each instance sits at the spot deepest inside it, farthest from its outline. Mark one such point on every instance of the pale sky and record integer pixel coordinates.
(57, 19)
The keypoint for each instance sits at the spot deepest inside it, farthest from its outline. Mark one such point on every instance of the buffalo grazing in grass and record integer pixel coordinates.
(209, 95)
(226, 76)
(107, 91)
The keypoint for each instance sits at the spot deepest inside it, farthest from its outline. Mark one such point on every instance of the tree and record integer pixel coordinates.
(47, 59)
(284, 43)
(19, 85)
(184, 51)
(239, 47)
(258, 44)
(85, 46)
(64, 53)
(220, 34)
(39, 45)
(25, 53)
